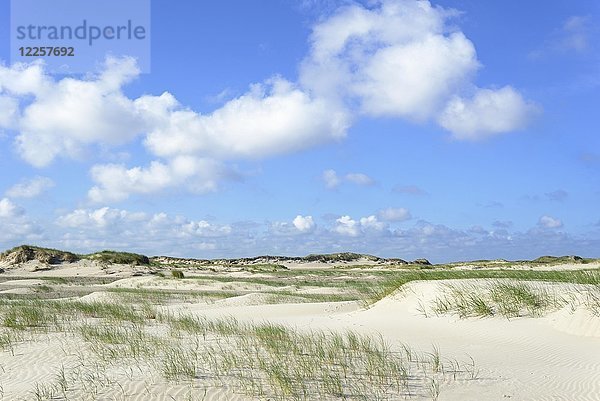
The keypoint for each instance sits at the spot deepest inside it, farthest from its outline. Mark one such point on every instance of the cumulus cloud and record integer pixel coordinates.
(304, 224)
(115, 182)
(300, 225)
(550, 222)
(371, 223)
(394, 214)
(66, 115)
(24, 79)
(488, 112)
(345, 225)
(159, 233)
(404, 59)
(30, 188)
(394, 58)
(272, 118)
(412, 79)
(348, 227)
(88, 230)
(99, 218)
(204, 228)
(131, 225)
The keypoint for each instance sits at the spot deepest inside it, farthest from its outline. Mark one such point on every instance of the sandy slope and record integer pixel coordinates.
(40, 362)
(556, 357)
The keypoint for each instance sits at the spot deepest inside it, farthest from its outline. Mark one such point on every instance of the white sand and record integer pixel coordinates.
(554, 358)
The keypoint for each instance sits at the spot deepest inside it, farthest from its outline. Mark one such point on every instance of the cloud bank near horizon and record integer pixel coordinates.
(388, 232)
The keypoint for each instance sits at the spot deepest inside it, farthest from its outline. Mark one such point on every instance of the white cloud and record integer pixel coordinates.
(127, 225)
(365, 53)
(9, 209)
(24, 79)
(99, 218)
(413, 79)
(346, 226)
(69, 114)
(488, 112)
(394, 214)
(30, 188)
(65, 117)
(400, 59)
(396, 58)
(203, 228)
(272, 118)
(89, 230)
(550, 222)
(304, 224)
(371, 223)
(115, 182)
(10, 111)
(300, 225)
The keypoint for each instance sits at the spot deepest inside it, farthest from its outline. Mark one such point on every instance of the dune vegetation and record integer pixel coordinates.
(118, 325)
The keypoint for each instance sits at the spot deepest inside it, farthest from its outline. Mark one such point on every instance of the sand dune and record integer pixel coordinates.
(555, 356)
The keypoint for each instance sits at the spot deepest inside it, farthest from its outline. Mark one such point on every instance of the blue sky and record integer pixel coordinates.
(444, 129)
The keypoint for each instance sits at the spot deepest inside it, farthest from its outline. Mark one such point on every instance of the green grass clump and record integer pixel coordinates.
(550, 260)
(337, 257)
(105, 334)
(592, 300)
(264, 268)
(263, 361)
(177, 274)
(123, 258)
(463, 302)
(271, 361)
(179, 364)
(188, 323)
(508, 299)
(27, 315)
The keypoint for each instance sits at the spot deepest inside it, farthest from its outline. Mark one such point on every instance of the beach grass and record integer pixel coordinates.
(264, 360)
